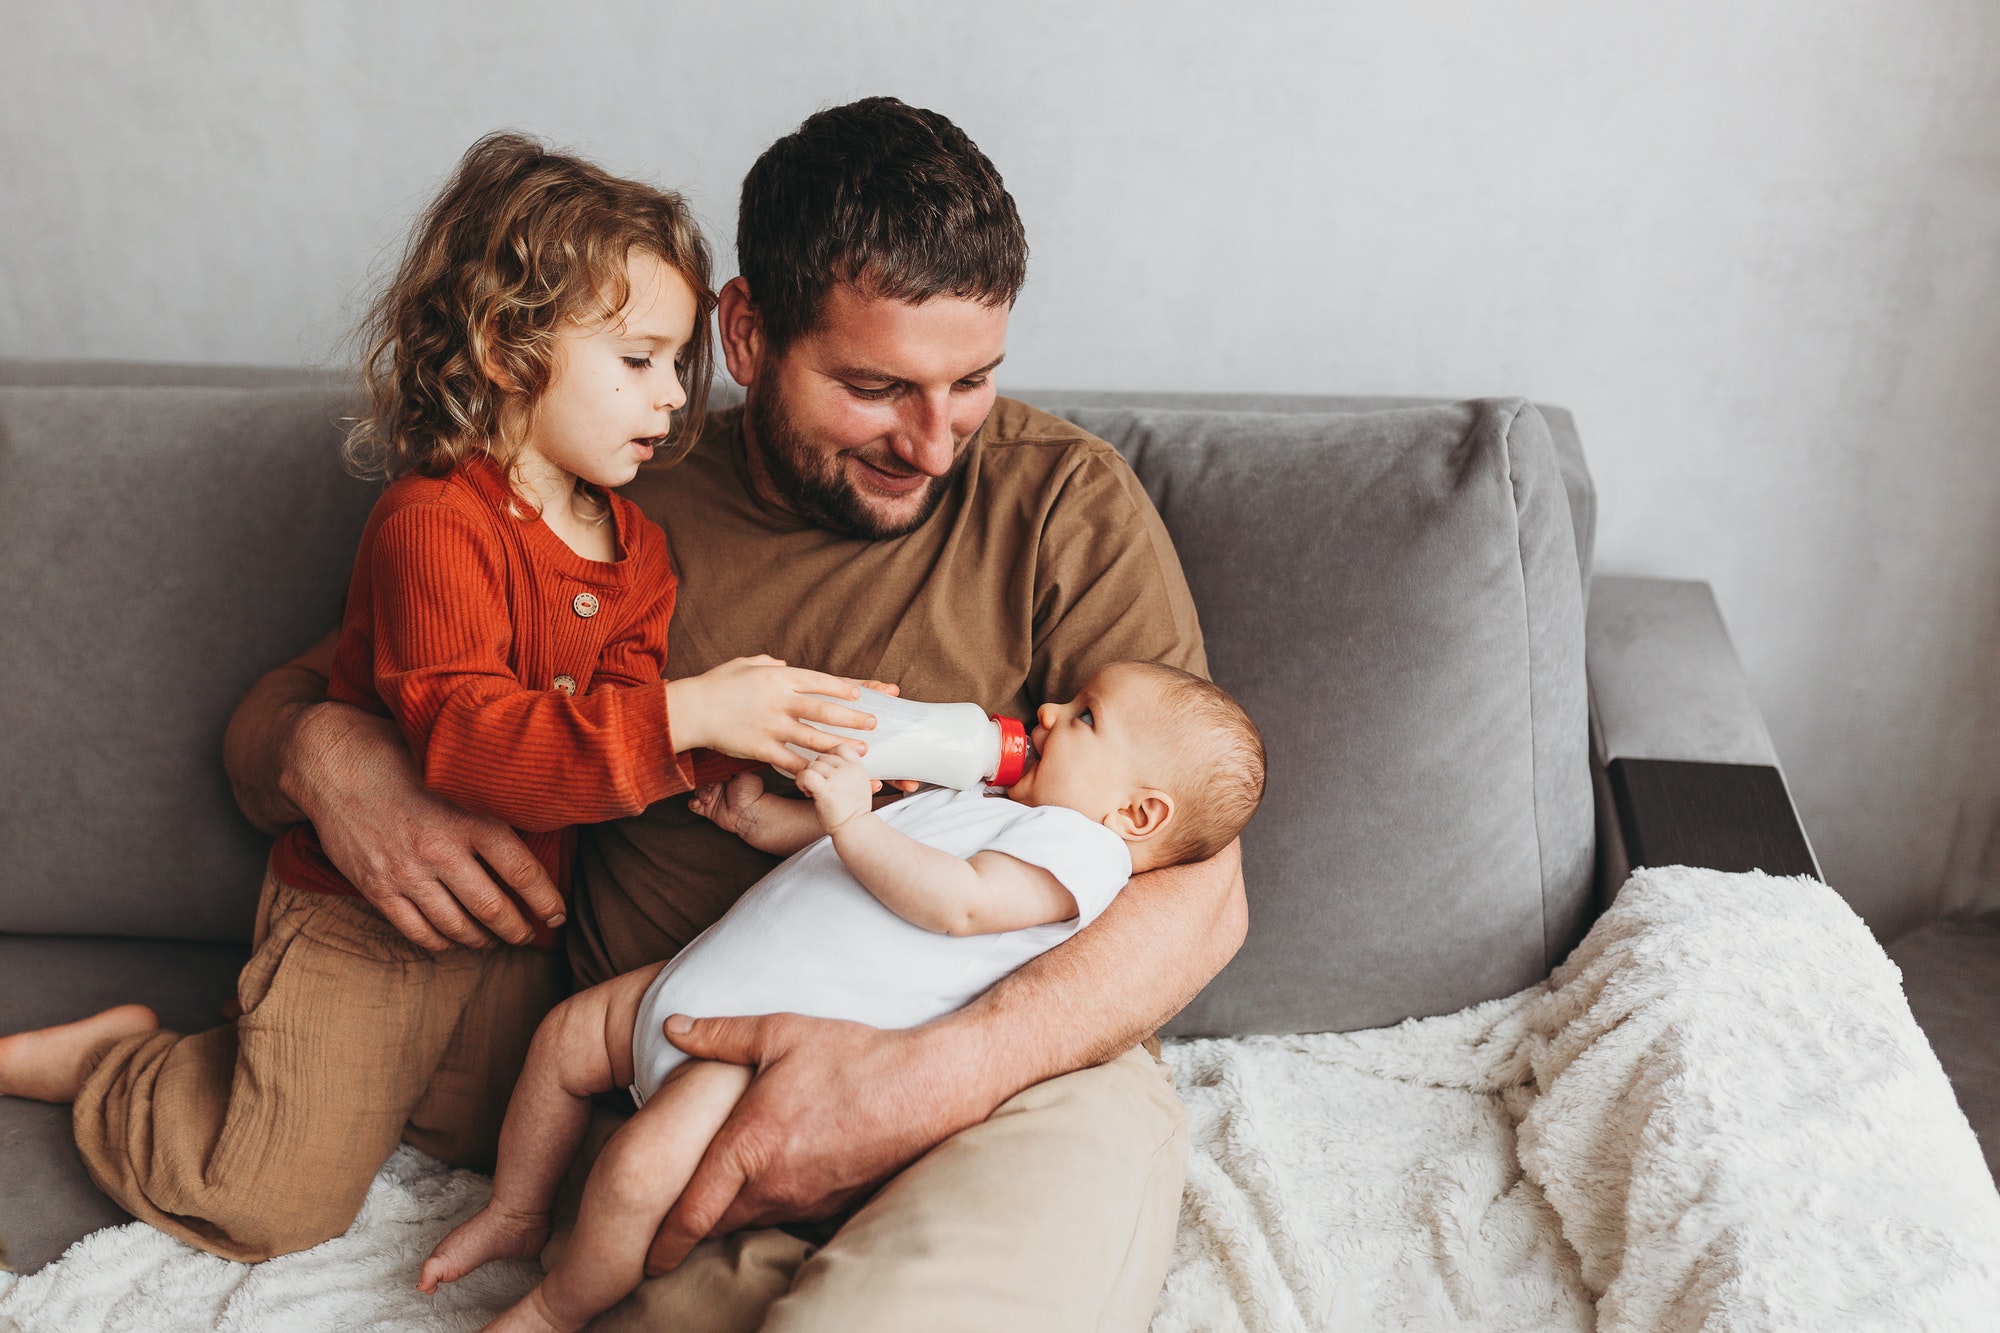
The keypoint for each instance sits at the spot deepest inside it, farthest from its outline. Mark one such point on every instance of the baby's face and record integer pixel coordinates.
(1095, 750)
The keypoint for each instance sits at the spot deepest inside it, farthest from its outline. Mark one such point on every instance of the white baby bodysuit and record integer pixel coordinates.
(809, 939)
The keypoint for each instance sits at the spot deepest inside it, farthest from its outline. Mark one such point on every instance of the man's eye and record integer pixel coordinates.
(976, 382)
(871, 394)
(639, 362)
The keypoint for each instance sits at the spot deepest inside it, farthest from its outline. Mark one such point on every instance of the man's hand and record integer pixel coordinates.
(834, 1110)
(434, 870)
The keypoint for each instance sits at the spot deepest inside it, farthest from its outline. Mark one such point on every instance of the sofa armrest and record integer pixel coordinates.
(1685, 770)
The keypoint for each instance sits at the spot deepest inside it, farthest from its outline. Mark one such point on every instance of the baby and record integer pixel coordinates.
(890, 917)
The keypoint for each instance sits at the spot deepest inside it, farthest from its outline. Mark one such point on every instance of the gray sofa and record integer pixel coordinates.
(1464, 760)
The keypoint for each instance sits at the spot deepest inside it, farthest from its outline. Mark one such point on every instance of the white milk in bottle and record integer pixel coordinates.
(947, 745)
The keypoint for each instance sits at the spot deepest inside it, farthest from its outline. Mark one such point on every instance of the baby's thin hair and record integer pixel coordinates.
(459, 346)
(1218, 761)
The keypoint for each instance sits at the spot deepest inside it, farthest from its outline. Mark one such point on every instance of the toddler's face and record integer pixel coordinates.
(615, 389)
(1096, 749)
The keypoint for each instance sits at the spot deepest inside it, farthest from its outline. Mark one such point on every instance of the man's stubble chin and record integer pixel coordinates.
(815, 485)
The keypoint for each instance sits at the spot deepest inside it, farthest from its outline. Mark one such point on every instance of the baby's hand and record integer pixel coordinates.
(839, 786)
(730, 806)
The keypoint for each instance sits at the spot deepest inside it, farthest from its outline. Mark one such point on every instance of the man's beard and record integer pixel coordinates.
(813, 484)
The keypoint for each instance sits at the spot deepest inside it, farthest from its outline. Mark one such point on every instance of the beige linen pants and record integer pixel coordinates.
(260, 1137)
(1055, 1214)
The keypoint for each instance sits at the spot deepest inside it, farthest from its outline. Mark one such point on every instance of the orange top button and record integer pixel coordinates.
(584, 604)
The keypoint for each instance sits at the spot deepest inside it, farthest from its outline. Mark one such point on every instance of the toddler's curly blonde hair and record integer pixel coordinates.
(460, 345)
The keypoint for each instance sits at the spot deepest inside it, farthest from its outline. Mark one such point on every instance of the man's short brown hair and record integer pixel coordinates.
(889, 197)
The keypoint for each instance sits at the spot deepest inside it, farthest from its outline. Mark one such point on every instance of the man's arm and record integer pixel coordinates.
(260, 731)
(1161, 940)
(426, 865)
(838, 1107)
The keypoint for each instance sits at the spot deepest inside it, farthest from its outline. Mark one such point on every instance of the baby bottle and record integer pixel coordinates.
(947, 745)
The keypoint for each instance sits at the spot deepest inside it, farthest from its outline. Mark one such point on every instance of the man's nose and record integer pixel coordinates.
(926, 442)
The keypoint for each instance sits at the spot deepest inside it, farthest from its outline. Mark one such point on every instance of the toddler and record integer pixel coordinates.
(509, 611)
(891, 918)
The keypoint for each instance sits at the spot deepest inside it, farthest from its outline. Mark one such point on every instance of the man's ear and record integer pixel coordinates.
(1142, 816)
(742, 327)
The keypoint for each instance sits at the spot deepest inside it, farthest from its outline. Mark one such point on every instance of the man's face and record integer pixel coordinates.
(860, 423)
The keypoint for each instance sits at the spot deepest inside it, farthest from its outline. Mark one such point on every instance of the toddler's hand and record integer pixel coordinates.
(753, 707)
(839, 786)
(731, 805)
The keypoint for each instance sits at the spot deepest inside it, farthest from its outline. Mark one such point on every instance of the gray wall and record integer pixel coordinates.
(1752, 245)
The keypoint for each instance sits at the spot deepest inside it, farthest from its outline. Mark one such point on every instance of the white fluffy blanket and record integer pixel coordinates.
(1717, 1115)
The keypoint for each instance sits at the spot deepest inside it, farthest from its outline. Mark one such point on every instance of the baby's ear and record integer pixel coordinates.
(1142, 816)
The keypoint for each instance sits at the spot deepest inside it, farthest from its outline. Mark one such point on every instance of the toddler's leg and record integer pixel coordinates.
(260, 1137)
(50, 1064)
(635, 1181)
(582, 1048)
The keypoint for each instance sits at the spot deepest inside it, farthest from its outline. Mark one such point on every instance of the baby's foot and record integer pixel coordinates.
(530, 1314)
(491, 1233)
(50, 1064)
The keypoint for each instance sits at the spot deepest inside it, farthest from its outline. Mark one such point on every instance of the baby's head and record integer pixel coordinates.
(1164, 759)
(524, 255)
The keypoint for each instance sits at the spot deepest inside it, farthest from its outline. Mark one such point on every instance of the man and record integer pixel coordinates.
(874, 511)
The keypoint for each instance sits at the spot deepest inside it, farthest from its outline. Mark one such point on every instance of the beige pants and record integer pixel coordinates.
(260, 1137)
(1057, 1213)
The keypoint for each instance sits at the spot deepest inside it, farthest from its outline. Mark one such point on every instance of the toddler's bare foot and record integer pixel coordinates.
(50, 1064)
(491, 1233)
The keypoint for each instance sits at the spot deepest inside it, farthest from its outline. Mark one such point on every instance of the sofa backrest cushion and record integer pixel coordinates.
(163, 547)
(1397, 598)
(1570, 463)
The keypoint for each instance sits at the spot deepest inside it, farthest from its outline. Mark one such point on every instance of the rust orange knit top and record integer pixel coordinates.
(525, 678)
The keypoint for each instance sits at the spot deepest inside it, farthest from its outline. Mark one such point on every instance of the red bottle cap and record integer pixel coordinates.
(1013, 752)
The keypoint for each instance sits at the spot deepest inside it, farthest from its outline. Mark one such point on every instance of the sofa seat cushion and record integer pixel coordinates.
(46, 1199)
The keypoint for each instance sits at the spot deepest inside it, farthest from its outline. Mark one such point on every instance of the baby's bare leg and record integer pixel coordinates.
(636, 1179)
(582, 1048)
